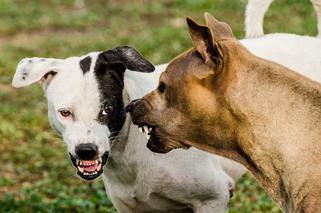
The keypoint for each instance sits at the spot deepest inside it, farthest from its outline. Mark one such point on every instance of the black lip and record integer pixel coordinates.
(90, 177)
(104, 158)
(155, 145)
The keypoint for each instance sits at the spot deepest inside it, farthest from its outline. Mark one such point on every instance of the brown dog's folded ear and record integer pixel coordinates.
(204, 42)
(219, 30)
(128, 57)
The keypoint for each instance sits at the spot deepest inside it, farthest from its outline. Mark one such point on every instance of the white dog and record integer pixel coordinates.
(255, 11)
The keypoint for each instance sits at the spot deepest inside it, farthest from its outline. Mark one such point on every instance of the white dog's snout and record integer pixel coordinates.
(80, 133)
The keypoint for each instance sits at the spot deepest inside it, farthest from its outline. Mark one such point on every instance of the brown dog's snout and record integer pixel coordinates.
(131, 106)
(138, 109)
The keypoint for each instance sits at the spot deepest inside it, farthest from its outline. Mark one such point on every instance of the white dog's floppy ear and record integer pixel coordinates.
(31, 70)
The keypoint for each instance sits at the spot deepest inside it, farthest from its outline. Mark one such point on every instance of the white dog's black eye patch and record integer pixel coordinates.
(110, 85)
(109, 72)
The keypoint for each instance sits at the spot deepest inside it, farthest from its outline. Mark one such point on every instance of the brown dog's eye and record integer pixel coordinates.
(161, 87)
(107, 110)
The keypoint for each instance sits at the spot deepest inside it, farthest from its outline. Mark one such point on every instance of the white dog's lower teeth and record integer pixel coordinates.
(140, 129)
(81, 169)
(98, 167)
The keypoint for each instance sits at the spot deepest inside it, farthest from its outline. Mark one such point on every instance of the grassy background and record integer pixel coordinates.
(36, 174)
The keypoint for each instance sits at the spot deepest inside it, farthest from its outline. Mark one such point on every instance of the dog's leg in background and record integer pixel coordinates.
(254, 17)
(317, 7)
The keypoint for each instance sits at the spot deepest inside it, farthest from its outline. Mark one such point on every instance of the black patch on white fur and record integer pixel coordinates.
(110, 79)
(109, 71)
(85, 64)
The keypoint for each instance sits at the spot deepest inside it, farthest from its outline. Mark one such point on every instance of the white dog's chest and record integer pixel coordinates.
(138, 196)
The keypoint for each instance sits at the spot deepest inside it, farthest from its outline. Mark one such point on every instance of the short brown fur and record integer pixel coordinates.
(222, 99)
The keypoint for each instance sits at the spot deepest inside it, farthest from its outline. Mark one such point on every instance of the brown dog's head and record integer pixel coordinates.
(189, 102)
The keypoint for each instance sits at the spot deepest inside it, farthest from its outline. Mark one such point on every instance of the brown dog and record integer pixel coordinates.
(222, 99)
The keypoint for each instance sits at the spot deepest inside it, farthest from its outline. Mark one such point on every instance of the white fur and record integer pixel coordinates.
(136, 179)
(317, 8)
(40, 66)
(256, 10)
(300, 53)
(79, 94)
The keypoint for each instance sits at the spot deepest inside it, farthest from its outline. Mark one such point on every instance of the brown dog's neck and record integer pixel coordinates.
(278, 136)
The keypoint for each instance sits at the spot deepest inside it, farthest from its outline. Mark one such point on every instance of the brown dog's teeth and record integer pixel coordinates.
(147, 136)
(145, 128)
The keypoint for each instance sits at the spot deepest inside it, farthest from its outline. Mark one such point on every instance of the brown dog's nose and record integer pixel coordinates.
(131, 106)
(138, 110)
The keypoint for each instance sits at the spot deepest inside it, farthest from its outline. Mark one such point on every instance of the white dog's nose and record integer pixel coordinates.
(86, 151)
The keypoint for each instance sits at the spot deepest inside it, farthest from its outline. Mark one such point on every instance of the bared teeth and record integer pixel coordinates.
(81, 166)
(88, 163)
(147, 136)
(80, 169)
(145, 129)
(98, 167)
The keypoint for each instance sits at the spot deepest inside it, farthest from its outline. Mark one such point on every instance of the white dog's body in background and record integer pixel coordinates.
(255, 11)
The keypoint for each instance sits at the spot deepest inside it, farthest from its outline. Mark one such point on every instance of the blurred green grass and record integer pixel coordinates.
(36, 174)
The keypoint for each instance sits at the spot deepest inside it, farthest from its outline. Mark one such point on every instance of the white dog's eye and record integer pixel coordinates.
(64, 113)
(107, 110)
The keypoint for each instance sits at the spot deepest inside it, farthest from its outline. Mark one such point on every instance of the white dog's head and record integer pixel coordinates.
(85, 100)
